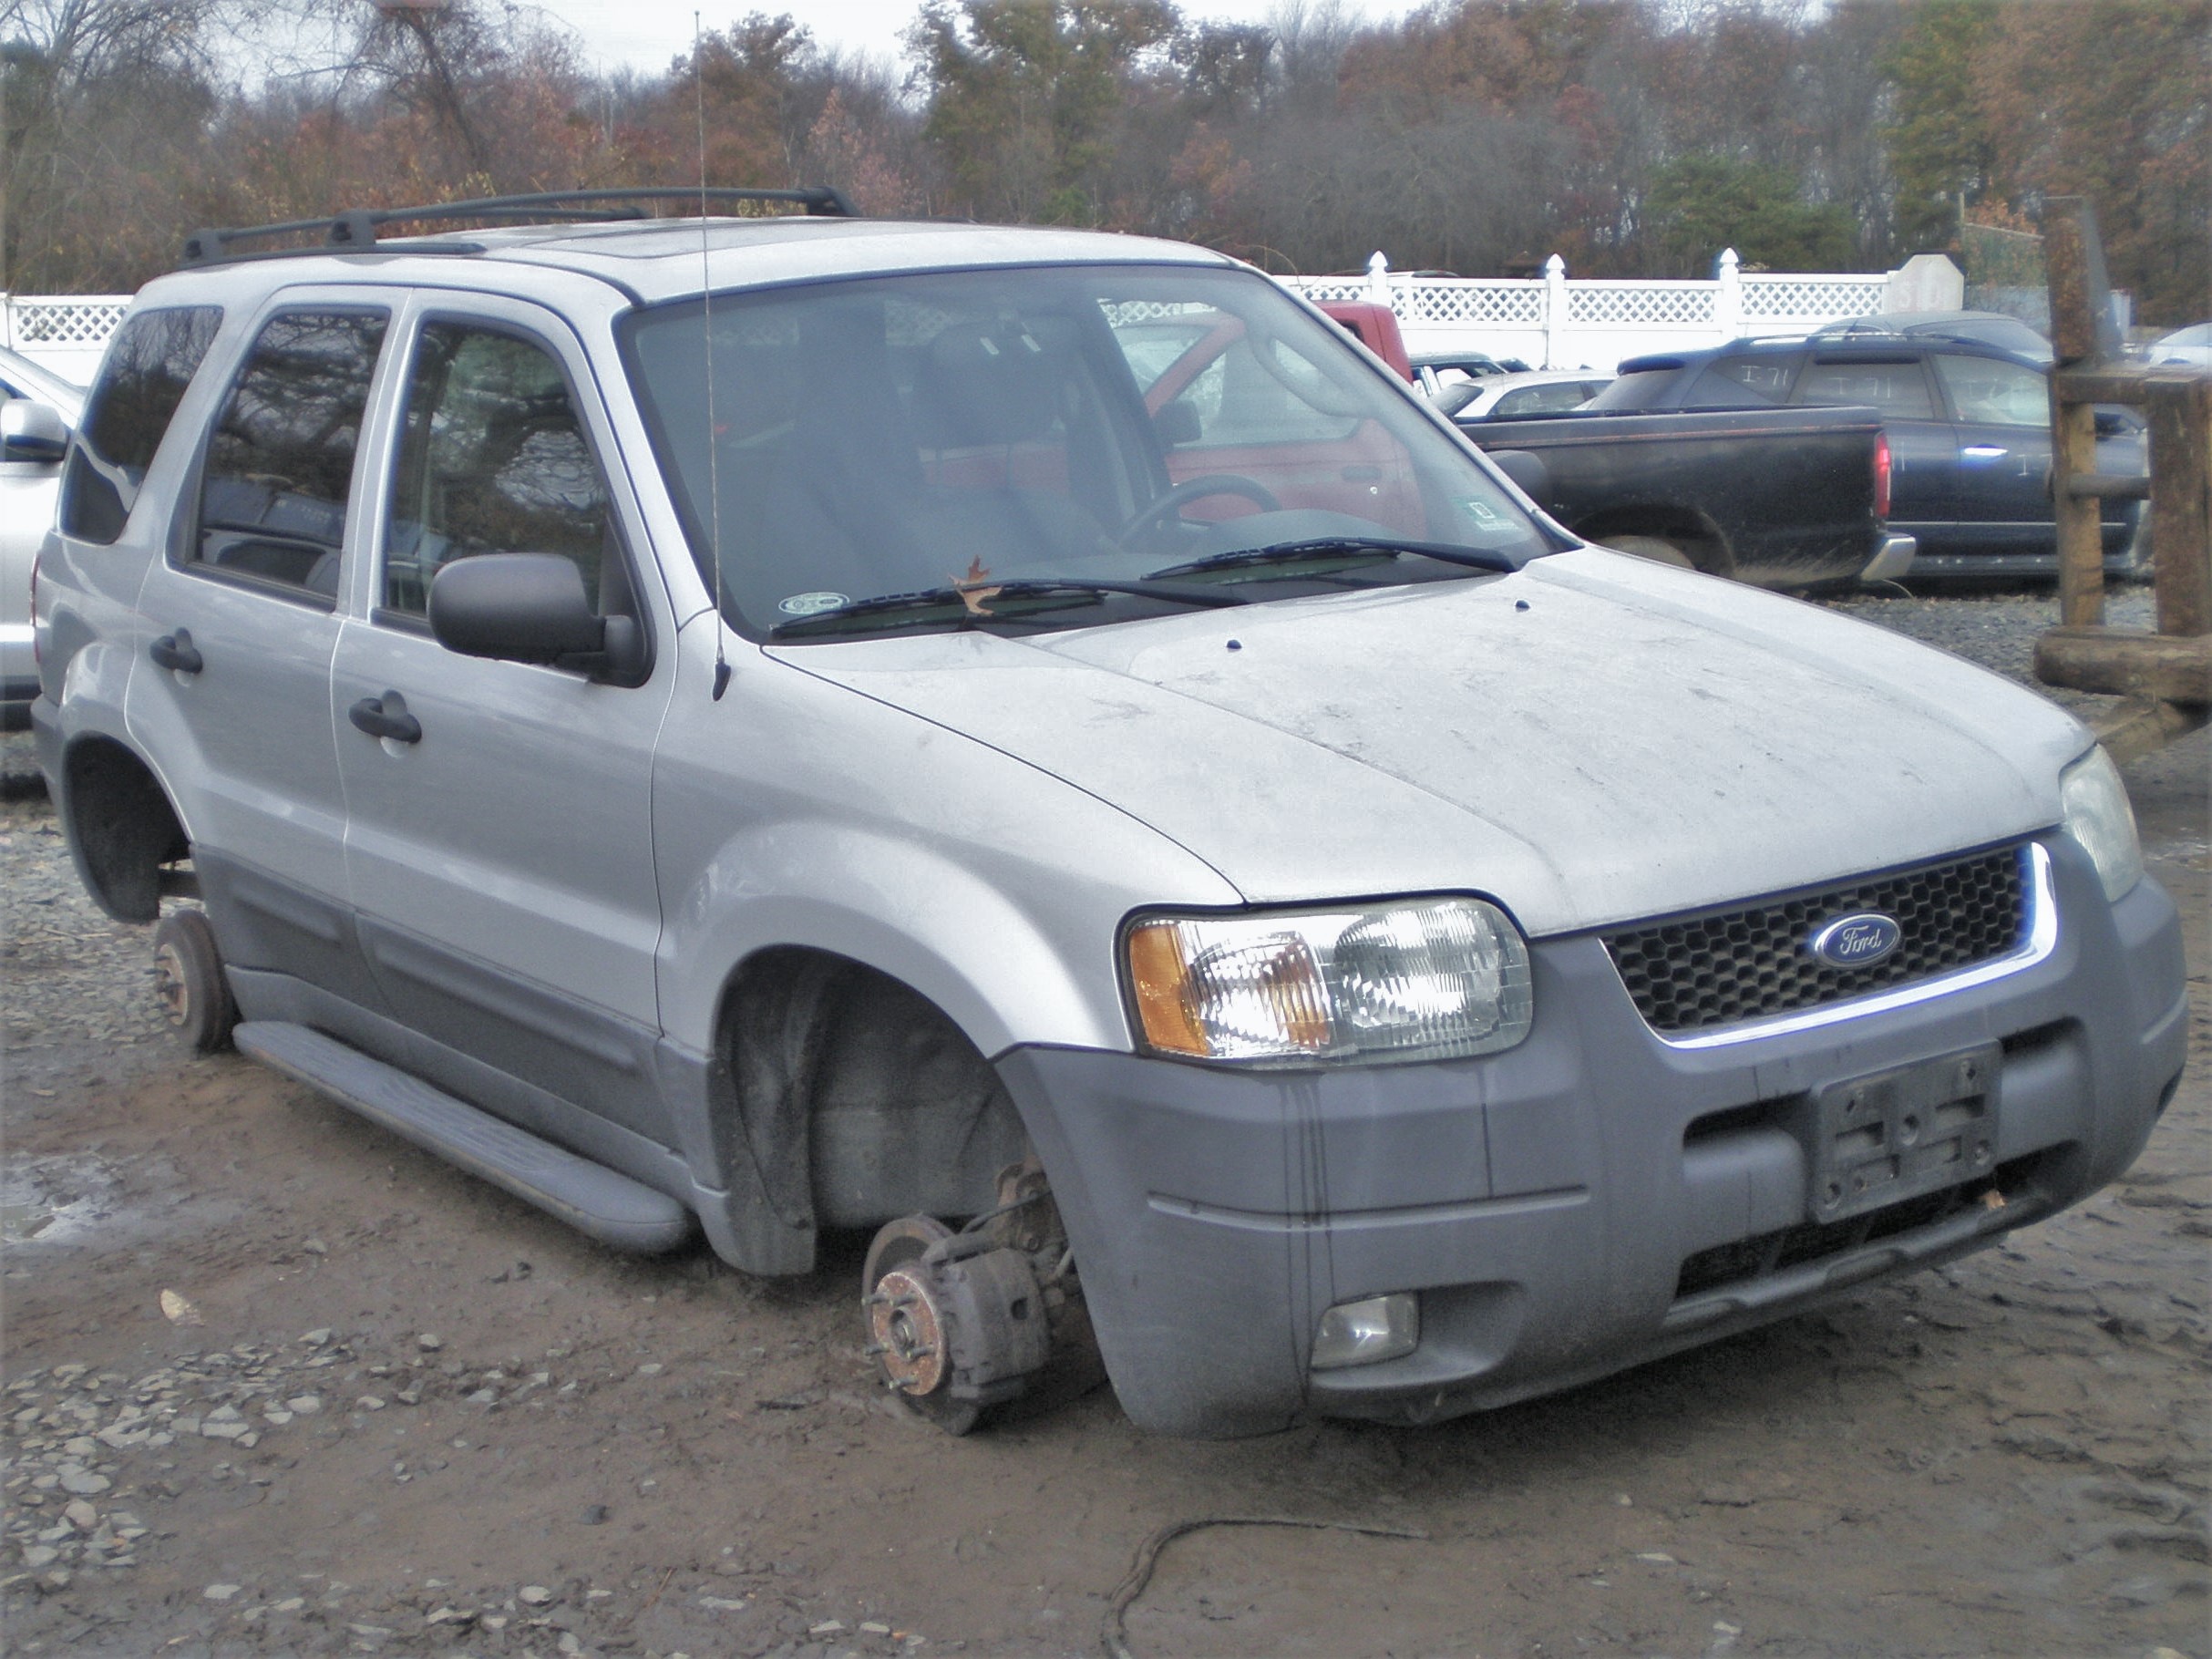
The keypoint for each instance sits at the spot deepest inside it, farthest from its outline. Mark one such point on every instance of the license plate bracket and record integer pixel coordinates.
(1893, 1135)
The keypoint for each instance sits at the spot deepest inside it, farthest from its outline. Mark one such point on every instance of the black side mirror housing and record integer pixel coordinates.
(1176, 424)
(531, 608)
(1527, 472)
(31, 431)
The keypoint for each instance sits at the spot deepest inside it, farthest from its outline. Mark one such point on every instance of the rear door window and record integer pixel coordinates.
(280, 462)
(1898, 388)
(142, 379)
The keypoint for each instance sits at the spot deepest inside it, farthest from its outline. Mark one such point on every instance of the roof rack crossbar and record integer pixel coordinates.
(355, 229)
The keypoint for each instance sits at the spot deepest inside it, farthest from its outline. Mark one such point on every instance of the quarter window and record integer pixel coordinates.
(280, 463)
(148, 364)
(493, 459)
(1742, 383)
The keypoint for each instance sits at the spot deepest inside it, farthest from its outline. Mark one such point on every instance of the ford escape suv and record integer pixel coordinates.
(751, 725)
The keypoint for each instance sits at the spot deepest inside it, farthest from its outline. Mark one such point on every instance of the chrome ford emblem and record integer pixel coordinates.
(1856, 941)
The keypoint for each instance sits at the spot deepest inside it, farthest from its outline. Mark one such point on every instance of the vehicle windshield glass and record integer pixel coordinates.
(911, 434)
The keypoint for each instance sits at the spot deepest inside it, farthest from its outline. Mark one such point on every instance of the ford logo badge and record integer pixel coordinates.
(1856, 941)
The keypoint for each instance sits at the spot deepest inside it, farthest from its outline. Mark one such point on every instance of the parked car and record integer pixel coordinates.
(1969, 428)
(1982, 327)
(752, 726)
(1512, 397)
(38, 408)
(2189, 347)
(1450, 366)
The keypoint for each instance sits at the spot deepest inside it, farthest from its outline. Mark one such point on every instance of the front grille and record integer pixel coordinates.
(1693, 973)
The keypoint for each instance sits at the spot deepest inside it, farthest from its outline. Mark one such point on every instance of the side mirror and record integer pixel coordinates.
(31, 431)
(1177, 423)
(1528, 473)
(531, 608)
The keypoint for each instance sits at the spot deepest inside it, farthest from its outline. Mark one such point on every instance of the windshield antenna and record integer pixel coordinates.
(706, 345)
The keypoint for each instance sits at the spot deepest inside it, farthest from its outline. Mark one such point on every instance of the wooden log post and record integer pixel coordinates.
(2081, 529)
(2163, 679)
(2073, 262)
(2179, 408)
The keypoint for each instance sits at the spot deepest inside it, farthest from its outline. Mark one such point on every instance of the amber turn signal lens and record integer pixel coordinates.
(1161, 979)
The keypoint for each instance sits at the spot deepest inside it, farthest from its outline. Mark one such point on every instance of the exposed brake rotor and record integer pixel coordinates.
(908, 1330)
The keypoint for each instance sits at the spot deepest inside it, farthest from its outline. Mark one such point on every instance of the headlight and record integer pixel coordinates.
(1420, 980)
(2096, 814)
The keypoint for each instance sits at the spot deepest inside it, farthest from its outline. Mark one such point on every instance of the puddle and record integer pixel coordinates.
(56, 1201)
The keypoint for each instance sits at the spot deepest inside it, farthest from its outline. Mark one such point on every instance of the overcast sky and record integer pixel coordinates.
(646, 34)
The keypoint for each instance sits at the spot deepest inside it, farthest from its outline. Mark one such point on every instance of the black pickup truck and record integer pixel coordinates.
(1782, 498)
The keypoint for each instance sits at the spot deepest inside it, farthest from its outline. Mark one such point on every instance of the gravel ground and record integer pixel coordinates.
(277, 1384)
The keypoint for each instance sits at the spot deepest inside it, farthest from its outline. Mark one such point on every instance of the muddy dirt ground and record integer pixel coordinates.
(387, 1410)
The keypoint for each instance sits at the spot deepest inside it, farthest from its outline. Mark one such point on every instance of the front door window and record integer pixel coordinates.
(493, 459)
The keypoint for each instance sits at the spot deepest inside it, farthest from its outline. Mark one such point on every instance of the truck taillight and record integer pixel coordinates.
(1881, 475)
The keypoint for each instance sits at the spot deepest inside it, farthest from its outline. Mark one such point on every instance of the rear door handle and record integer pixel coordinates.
(176, 652)
(1982, 452)
(386, 716)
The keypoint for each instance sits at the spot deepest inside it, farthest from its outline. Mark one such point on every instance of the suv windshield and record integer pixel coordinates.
(939, 435)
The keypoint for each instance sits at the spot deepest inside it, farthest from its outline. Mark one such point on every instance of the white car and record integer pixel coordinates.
(2190, 346)
(1544, 391)
(31, 446)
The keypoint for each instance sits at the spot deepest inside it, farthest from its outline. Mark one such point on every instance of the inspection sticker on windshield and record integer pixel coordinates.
(812, 604)
(1482, 512)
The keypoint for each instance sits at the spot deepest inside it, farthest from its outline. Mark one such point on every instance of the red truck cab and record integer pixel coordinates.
(1376, 328)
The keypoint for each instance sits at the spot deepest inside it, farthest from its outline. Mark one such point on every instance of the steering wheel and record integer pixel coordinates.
(1149, 519)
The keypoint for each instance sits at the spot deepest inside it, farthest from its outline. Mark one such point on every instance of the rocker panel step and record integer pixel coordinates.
(589, 1197)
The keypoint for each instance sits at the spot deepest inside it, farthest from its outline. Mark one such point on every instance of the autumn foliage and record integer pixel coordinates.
(1635, 136)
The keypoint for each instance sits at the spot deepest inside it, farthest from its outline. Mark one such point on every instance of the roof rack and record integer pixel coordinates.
(1847, 328)
(355, 232)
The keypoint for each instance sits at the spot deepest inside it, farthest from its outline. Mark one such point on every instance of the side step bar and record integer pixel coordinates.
(589, 1197)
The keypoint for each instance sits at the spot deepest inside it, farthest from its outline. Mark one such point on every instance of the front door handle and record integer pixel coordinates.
(386, 716)
(1983, 452)
(176, 652)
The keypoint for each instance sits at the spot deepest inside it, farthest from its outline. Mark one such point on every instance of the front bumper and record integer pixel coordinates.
(1560, 1207)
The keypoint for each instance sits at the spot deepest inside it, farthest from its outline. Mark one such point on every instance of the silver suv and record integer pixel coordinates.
(1035, 744)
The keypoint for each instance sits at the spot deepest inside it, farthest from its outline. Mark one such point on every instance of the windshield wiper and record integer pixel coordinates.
(1379, 547)
(974, 601)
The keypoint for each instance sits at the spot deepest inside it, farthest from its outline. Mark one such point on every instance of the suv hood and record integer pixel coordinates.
(1591, 740)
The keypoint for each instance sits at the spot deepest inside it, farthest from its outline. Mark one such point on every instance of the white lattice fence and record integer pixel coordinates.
(1328, 290)
(1826, 299)
(62, 332)
(1552, 320)
(1446, 301)
(1613, 305)
(1563, 324)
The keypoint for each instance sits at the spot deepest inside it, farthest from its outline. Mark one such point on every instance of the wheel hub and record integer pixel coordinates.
(171, 986)
(909, 1328)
